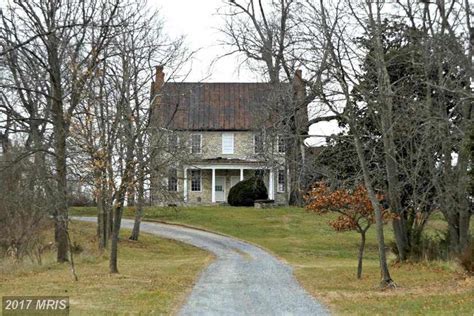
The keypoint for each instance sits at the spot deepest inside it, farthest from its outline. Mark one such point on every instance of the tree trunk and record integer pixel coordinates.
(361, 254)
(60, 134)
(61, 223)
(101, 210)
(113, 267)
(140, 194)
(138, 219)
(386, 112)
(386, 278)
(131, 194)
(127, 175)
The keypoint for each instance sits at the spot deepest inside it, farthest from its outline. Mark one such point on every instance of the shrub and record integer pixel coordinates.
(466, 259)
(76, 248)
(80, 200)
(246, 192)
(427, 247)
(23, 212)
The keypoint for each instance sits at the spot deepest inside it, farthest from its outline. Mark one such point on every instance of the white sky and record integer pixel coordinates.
(199, 22)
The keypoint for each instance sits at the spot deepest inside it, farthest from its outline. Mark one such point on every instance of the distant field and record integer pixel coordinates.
(155, 275)
(325, 262)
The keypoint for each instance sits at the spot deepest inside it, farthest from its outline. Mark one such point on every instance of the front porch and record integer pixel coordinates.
(211, 183)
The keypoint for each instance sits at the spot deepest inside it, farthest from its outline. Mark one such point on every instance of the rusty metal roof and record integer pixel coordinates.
(214, 106)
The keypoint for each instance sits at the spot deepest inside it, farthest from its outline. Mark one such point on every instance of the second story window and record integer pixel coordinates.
(172, 143)
(227, 143)
(281, 180)
(281, 144)
(258, 143)
(196, 180)
(196, 143)
(172, 180)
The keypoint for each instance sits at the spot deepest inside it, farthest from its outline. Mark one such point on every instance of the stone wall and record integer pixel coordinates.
(212, 148)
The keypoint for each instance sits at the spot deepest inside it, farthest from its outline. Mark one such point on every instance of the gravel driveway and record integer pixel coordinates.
(243, 280)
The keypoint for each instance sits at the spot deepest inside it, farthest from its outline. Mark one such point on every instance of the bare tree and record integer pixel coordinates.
(266, 34)
(112, 127)
(65, 39)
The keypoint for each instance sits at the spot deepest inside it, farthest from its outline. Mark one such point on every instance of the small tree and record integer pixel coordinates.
(354, 208)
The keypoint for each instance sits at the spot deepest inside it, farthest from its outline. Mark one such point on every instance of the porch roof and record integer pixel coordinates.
(228, 163)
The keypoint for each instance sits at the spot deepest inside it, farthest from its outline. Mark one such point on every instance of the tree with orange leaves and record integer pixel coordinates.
(353, 206)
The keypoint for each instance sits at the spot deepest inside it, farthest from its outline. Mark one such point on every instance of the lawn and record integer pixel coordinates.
(155, 275)
(325, 262)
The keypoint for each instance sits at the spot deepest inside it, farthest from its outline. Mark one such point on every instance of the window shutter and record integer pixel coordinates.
(227, 144)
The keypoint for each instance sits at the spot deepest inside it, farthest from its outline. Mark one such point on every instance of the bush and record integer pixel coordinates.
(246, 192)
(427, 247)
(80, 200)
(466, 259)
(23, 211)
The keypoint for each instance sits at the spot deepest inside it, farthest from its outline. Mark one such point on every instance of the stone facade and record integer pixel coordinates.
(211, 149)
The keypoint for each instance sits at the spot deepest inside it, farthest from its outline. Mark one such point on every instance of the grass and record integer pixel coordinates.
(155, 275)
(324, 261)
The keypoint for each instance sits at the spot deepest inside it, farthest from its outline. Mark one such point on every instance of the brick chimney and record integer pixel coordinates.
(299, 95)
(159, 77)
(159, 80)
(155, 96)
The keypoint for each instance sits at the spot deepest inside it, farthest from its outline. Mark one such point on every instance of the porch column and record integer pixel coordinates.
(271, 185)
(241, 174)
(213, 185)
(185, 185)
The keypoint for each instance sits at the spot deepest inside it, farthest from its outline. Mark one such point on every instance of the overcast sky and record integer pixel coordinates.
(199, 22)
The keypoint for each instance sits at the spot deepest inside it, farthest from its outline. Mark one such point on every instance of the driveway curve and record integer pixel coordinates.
(243, 280)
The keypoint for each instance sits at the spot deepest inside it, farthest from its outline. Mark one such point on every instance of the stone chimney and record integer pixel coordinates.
(299, 95)
(155, 95)
(159, 80)
(160, 77)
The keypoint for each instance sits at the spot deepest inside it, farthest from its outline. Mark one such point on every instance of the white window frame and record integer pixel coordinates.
(168, 180)
(279, 148)
(255, 144)
(200, 180)
(279, 190)
(200, 143)
(230, 152)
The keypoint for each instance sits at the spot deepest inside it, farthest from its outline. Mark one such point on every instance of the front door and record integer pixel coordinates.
(220, 189)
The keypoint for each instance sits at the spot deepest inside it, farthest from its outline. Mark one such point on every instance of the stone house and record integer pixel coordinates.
(210, 136)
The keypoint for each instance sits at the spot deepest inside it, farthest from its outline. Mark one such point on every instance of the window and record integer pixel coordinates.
(172, 180)
(228, 143)
(281, 180)
(281, 144)
(172, 143)
(258, 143)
(196, 143)
(196, 180)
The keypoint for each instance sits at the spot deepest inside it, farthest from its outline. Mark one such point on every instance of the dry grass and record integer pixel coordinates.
(324, 261)
(155, 275)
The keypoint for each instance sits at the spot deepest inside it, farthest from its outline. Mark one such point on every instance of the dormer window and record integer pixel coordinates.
(196, 143)
(227, 143)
